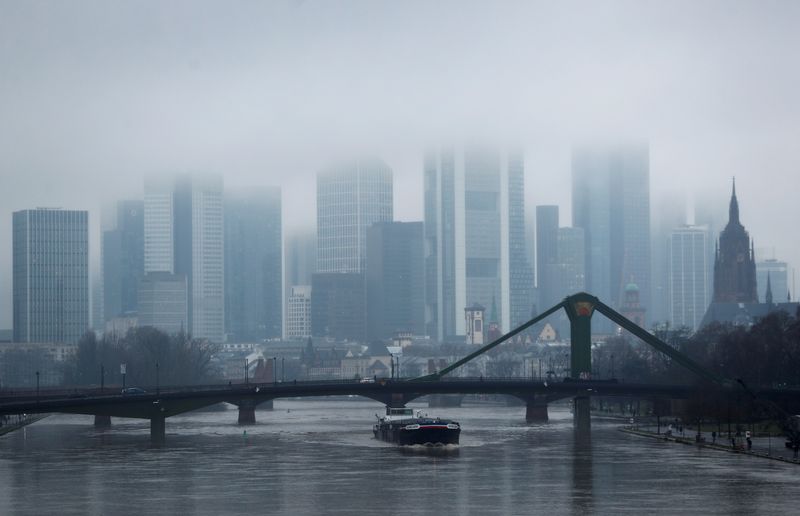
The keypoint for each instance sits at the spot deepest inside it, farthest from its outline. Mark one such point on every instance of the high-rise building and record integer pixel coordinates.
(395, 279)
(611, 202)
(351, 196)
(50, 275)
(470, 217)
(123, 260)
(298, 314)
(253, 266)
(338, 306)
(734, 264)
(777, 272)
(547, 255)
(300, 262)
(569, 270)
(668, 214)
(689, 285)
(520, 270)
(163, 301)
(183, 234)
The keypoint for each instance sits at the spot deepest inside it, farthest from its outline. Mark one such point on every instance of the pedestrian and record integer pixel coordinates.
(733, 443)
(714, 437)
(749, 444)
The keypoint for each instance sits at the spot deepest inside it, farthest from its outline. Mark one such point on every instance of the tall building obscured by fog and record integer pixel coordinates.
(546, 256)
(123, 260)
(253, 266)
(183, 233)
(689, 285)
(777, 272)
(351, 196)
(611, 202)
(300, 263)
(569, 270)
(50, 275)
(470, 217)
(669, 213)
(395, 279)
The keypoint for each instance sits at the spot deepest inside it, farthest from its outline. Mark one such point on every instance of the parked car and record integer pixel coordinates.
(134, 390)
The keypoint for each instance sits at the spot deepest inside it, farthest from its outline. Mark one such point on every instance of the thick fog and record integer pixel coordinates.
(96, 94)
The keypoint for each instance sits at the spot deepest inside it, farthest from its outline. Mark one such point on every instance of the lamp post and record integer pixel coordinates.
(158, 388)
(283, 369)
(275, 370)
(246, 371)
(37, 386)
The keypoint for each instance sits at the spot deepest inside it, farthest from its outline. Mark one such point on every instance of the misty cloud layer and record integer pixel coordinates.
(96, 94)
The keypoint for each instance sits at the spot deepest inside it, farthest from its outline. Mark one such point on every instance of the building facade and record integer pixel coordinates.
(338, 306)
(253, 266)
(689, 285)
(611, 203)
(50, 250)
(395, 279)
(184, 235)
(351, 196)
(474, 237)
(123, 260)
(547, 255)
(298, 315)
(164, 302)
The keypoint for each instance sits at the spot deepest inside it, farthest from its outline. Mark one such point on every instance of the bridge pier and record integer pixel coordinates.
(247, 412)
(582, 417)
(158, 429)
(102, 421)
(536, 409)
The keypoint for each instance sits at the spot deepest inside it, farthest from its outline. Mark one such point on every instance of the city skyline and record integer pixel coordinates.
(132, 90)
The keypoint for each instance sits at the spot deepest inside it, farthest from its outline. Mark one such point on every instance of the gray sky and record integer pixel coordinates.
(96, 94)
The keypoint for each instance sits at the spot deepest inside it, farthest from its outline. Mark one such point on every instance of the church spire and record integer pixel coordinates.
(768, 295)
(733, 210)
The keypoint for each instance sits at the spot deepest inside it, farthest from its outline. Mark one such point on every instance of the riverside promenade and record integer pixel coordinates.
(763, 446)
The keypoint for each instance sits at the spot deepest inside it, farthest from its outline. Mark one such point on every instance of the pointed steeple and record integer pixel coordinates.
(733, 210)
(768, 295)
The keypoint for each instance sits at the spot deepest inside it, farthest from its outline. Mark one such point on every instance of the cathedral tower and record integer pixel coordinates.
(735, 265)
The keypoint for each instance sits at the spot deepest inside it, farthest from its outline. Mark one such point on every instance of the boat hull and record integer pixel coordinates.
(424, 433)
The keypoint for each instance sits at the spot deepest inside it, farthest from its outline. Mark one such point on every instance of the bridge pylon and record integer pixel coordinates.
(580, 308)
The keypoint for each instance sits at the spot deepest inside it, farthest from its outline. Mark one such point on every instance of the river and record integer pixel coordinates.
(319, 457)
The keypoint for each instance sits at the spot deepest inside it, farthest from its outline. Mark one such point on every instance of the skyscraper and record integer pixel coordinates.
(395, 279)
(470, 215)
(669, 213)
(351, 196)
(611, 202)
(253, 266)
(298, 314)
(123, 260)
(547, 255)
(734, 264)
(689, 285)
(569, 270)
(50, 275)
(184, 235)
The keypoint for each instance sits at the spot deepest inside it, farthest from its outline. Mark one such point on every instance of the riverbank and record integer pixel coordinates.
(757, 451)
(10, 425)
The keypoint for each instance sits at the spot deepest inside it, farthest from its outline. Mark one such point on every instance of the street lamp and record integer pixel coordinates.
(37, 386)
(158, 389)
(283, 369)
(275, 370)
